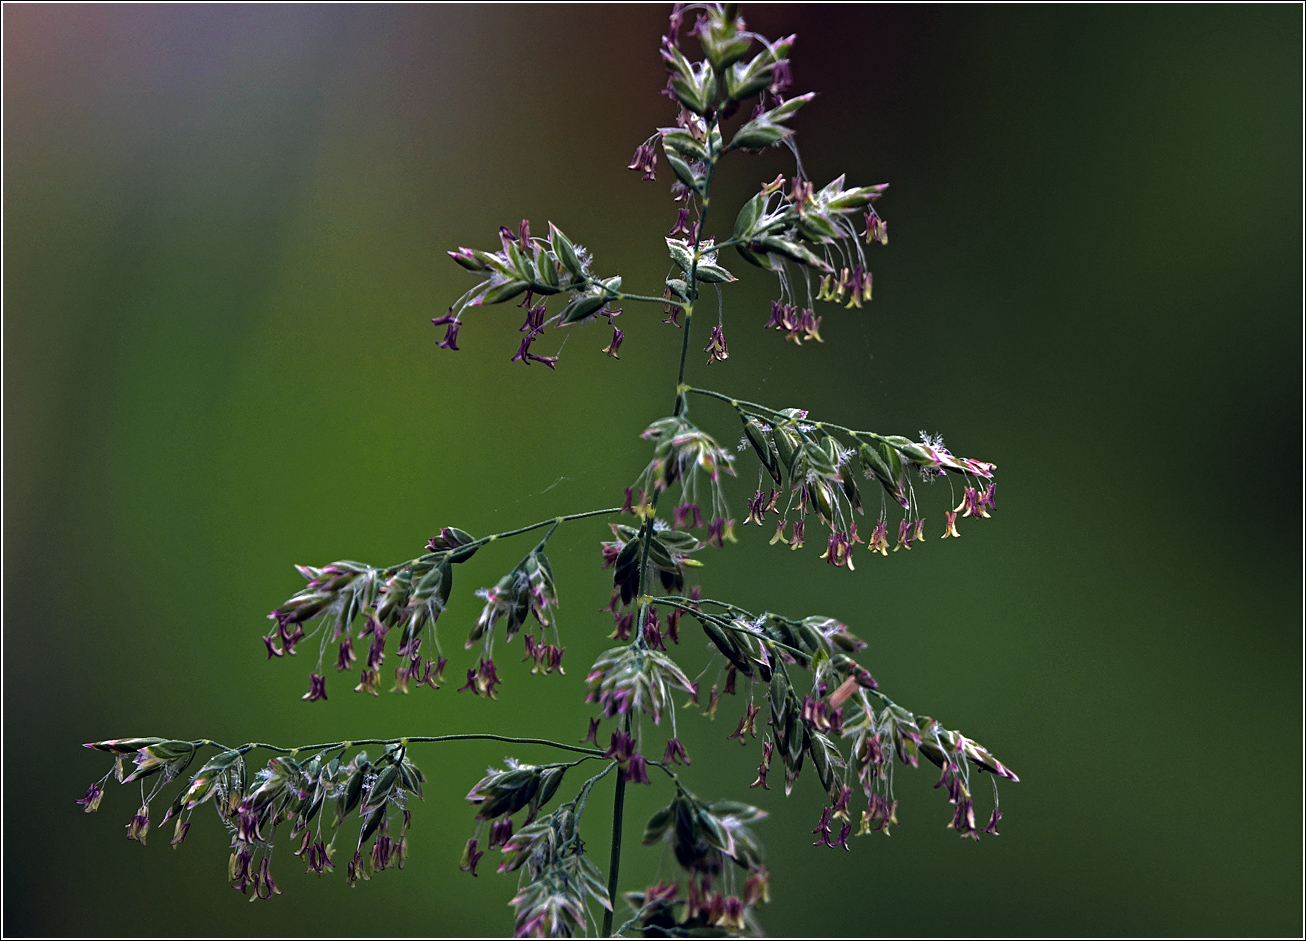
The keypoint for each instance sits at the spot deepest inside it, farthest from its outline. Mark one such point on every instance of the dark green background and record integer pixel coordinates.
(224, 238)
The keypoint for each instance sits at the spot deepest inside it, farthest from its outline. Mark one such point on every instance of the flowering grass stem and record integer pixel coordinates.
(788, 222)
(681, 407)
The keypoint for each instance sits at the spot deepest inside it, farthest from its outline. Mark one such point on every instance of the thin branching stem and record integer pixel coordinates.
(486, 540)
(583, 795)
(645, 298)
(688, 604)
(773, 414)
(657, 764)
(610, 294)
(720, 604)
(542, 523)
(881, 697)
(406, 740)
(634, 918)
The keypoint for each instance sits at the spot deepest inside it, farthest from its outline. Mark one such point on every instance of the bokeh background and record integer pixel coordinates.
(224, 238)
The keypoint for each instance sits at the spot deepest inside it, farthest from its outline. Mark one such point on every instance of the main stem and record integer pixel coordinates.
(614, 865)
(682, 405)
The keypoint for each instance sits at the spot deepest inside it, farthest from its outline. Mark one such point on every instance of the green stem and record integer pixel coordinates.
(542, 523)
(552, 529)
(720, 604)
(621, 295)
(577, 804)
(657, 764)
(767, 412)
(614, 866)
(486, 540)
(583, 795)
(689, 606)
(682, 406)
(407, 740)
(634, 918)
(737, 403)
(883, 698)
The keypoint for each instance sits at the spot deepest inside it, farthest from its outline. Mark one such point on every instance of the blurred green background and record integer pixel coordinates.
(225, 234)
